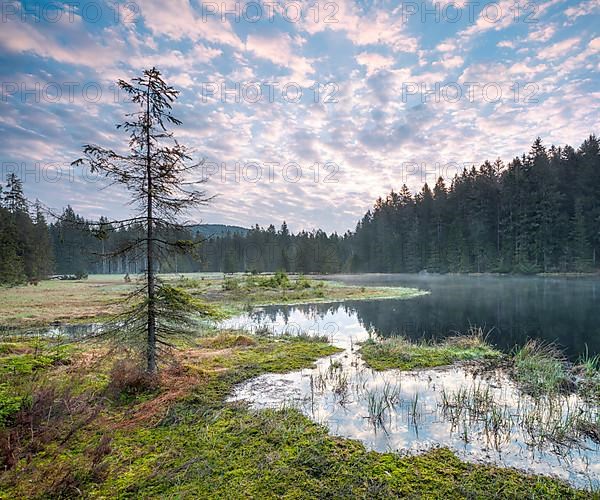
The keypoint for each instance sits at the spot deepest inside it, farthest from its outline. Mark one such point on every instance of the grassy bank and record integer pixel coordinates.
(236, 293)
(98, 297)
(557, 404)
(401, 353)
(541, 370)
(87, 429)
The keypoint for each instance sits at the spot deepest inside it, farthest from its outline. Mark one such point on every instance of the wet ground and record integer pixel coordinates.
(481, 416)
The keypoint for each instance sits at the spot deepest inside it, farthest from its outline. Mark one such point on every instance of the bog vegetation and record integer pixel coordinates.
(83, 420)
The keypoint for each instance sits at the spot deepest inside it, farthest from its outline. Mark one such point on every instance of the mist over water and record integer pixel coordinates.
(515, 308)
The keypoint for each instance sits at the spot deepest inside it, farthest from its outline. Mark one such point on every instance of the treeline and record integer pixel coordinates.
(539, 213)
(100, 247)
(26, 253)
(270, 249)
(85, 248)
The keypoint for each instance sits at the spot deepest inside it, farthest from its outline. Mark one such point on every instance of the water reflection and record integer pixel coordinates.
(561, 310)
(73, 332)
(414, 411)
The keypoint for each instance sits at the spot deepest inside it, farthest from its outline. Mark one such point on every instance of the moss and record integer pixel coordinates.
(403, 354)
(10, 404)
(290, 354)
(273, 454)
(205, 448)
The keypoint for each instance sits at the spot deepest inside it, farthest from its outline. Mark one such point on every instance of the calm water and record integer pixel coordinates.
(77, 331)
(340, 393)
(561, 310)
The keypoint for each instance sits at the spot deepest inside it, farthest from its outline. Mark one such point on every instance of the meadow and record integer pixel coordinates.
(79, 418)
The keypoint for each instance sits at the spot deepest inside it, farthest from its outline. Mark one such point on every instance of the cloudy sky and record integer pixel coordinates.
(303, 111)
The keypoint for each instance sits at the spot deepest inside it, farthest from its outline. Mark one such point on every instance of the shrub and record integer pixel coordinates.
(302, 283)
(231, 284)
(128, 378)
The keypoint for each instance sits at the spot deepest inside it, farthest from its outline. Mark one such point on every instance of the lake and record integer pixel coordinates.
(556, 309)
(341, 393)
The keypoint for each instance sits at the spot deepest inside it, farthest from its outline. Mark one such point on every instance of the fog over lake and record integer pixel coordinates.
(556, 309)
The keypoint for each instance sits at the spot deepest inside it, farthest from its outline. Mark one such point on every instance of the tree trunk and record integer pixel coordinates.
(151, 347)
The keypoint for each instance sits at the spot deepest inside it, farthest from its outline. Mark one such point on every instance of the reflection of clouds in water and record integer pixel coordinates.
(340, 326)
(320, 393)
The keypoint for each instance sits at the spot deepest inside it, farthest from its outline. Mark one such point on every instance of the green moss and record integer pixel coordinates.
(28, 357)
(403, 354)
(273, 454)
(205, 448)
(289, 355)
(9, 404)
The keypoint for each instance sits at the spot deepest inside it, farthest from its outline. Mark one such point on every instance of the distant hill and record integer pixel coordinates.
(218, 230)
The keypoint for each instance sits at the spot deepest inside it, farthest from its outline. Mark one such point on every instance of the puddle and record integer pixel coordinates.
(78, 331)
(481, 417)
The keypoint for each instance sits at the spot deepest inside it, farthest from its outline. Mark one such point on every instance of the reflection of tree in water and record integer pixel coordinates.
(514, 308)
(556, 310)
(280, 315)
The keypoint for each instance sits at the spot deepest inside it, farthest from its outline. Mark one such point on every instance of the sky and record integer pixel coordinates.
(302, 111)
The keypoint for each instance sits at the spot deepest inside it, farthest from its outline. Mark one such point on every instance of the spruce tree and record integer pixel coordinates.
(155, 171)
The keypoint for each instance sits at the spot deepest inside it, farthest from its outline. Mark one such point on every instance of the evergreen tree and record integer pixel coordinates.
(153, 171)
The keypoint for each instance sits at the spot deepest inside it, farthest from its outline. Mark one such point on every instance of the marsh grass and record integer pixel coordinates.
(184, 441)
(562, 422)
(281, 288)
(62, 301)
(540, 369)
(471, 406)
(556, 404)
(403, 354)
(587, 376)
(100, 297)
(377, 406)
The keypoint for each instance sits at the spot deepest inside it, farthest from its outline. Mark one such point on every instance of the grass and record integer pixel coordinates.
(557, 404)
(540, 369)
(97, 298)
(72, 424)
(240, 292)
(401, 353)
(180, 439)
(62, 301)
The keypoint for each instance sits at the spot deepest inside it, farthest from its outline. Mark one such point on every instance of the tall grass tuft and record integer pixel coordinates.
(540, 369)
